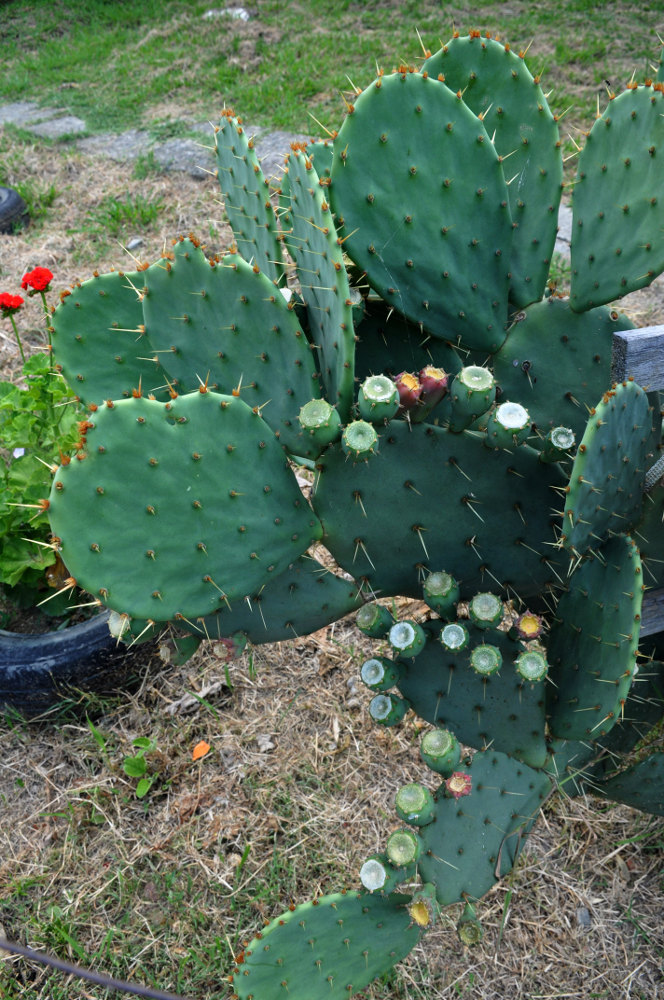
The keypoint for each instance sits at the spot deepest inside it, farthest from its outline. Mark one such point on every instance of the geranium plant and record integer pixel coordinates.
(38, 424)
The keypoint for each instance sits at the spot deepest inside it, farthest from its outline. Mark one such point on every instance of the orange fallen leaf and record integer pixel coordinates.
(200, 750)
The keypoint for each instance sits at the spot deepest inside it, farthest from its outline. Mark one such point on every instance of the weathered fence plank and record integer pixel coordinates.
(639, 354)
(652, 613)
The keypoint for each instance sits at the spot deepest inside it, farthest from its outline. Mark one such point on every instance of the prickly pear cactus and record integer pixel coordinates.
(392, 330)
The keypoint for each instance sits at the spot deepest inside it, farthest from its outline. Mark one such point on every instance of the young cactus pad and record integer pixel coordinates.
(143, 523)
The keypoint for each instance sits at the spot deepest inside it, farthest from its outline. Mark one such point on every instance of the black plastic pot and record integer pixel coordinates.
(13, 210)
(38, 671)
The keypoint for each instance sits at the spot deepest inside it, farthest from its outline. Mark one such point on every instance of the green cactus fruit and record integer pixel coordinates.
(374, 620)
(471, 394)
(378, 874)
(306, 596)
(605, 491)
(320, 423)
(505, 800)
(559, 444)
(407, 638)
(469, 930)
(378, 399)
(486, 610)
(618, 215)
(441, 593)
(454, 637)
(379, 673)
(387, 709)
(486, 659)
(415, 804)
(246, 195)
(359, 440)
(593, 642)
(440, 750)
(331, 947)
(317, 251)
(225, 325)
(99, 340)
(403, 847)
(532, 665)
(178, 508)
(557, 363)
(508, 426)
(496, 85)
(416, 219)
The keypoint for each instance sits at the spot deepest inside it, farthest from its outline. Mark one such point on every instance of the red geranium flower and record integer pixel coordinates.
(10, 303)
(38, 280)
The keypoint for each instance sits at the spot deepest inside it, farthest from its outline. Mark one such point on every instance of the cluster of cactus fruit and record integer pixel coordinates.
(390, 326)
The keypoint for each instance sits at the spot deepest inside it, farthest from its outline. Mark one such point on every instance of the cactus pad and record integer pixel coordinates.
(332, 947)
(421, 225)
(178, 508)
(226, 325)
(247, 199)
(316, 249)
(592, 645)
(605, 491)
(618, 221)
(498, 87)
(476, 839)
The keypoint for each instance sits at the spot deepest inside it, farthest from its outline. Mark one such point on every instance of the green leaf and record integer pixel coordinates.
(135, 767)
(143, 787)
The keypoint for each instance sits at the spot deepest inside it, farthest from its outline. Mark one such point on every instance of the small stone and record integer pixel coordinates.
(135, 243)
(236, 13)
(583, 917)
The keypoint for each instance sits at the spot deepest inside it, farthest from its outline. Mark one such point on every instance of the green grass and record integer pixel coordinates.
(291, 60)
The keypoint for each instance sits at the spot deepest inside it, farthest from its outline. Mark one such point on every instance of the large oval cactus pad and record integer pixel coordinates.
(433, 236)
(177, 508)
(501, 711)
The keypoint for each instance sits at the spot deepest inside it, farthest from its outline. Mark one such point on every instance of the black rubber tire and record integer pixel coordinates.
(13, 210)
(38, 671)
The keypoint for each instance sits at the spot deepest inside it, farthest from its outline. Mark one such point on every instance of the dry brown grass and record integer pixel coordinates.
(296, 791)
